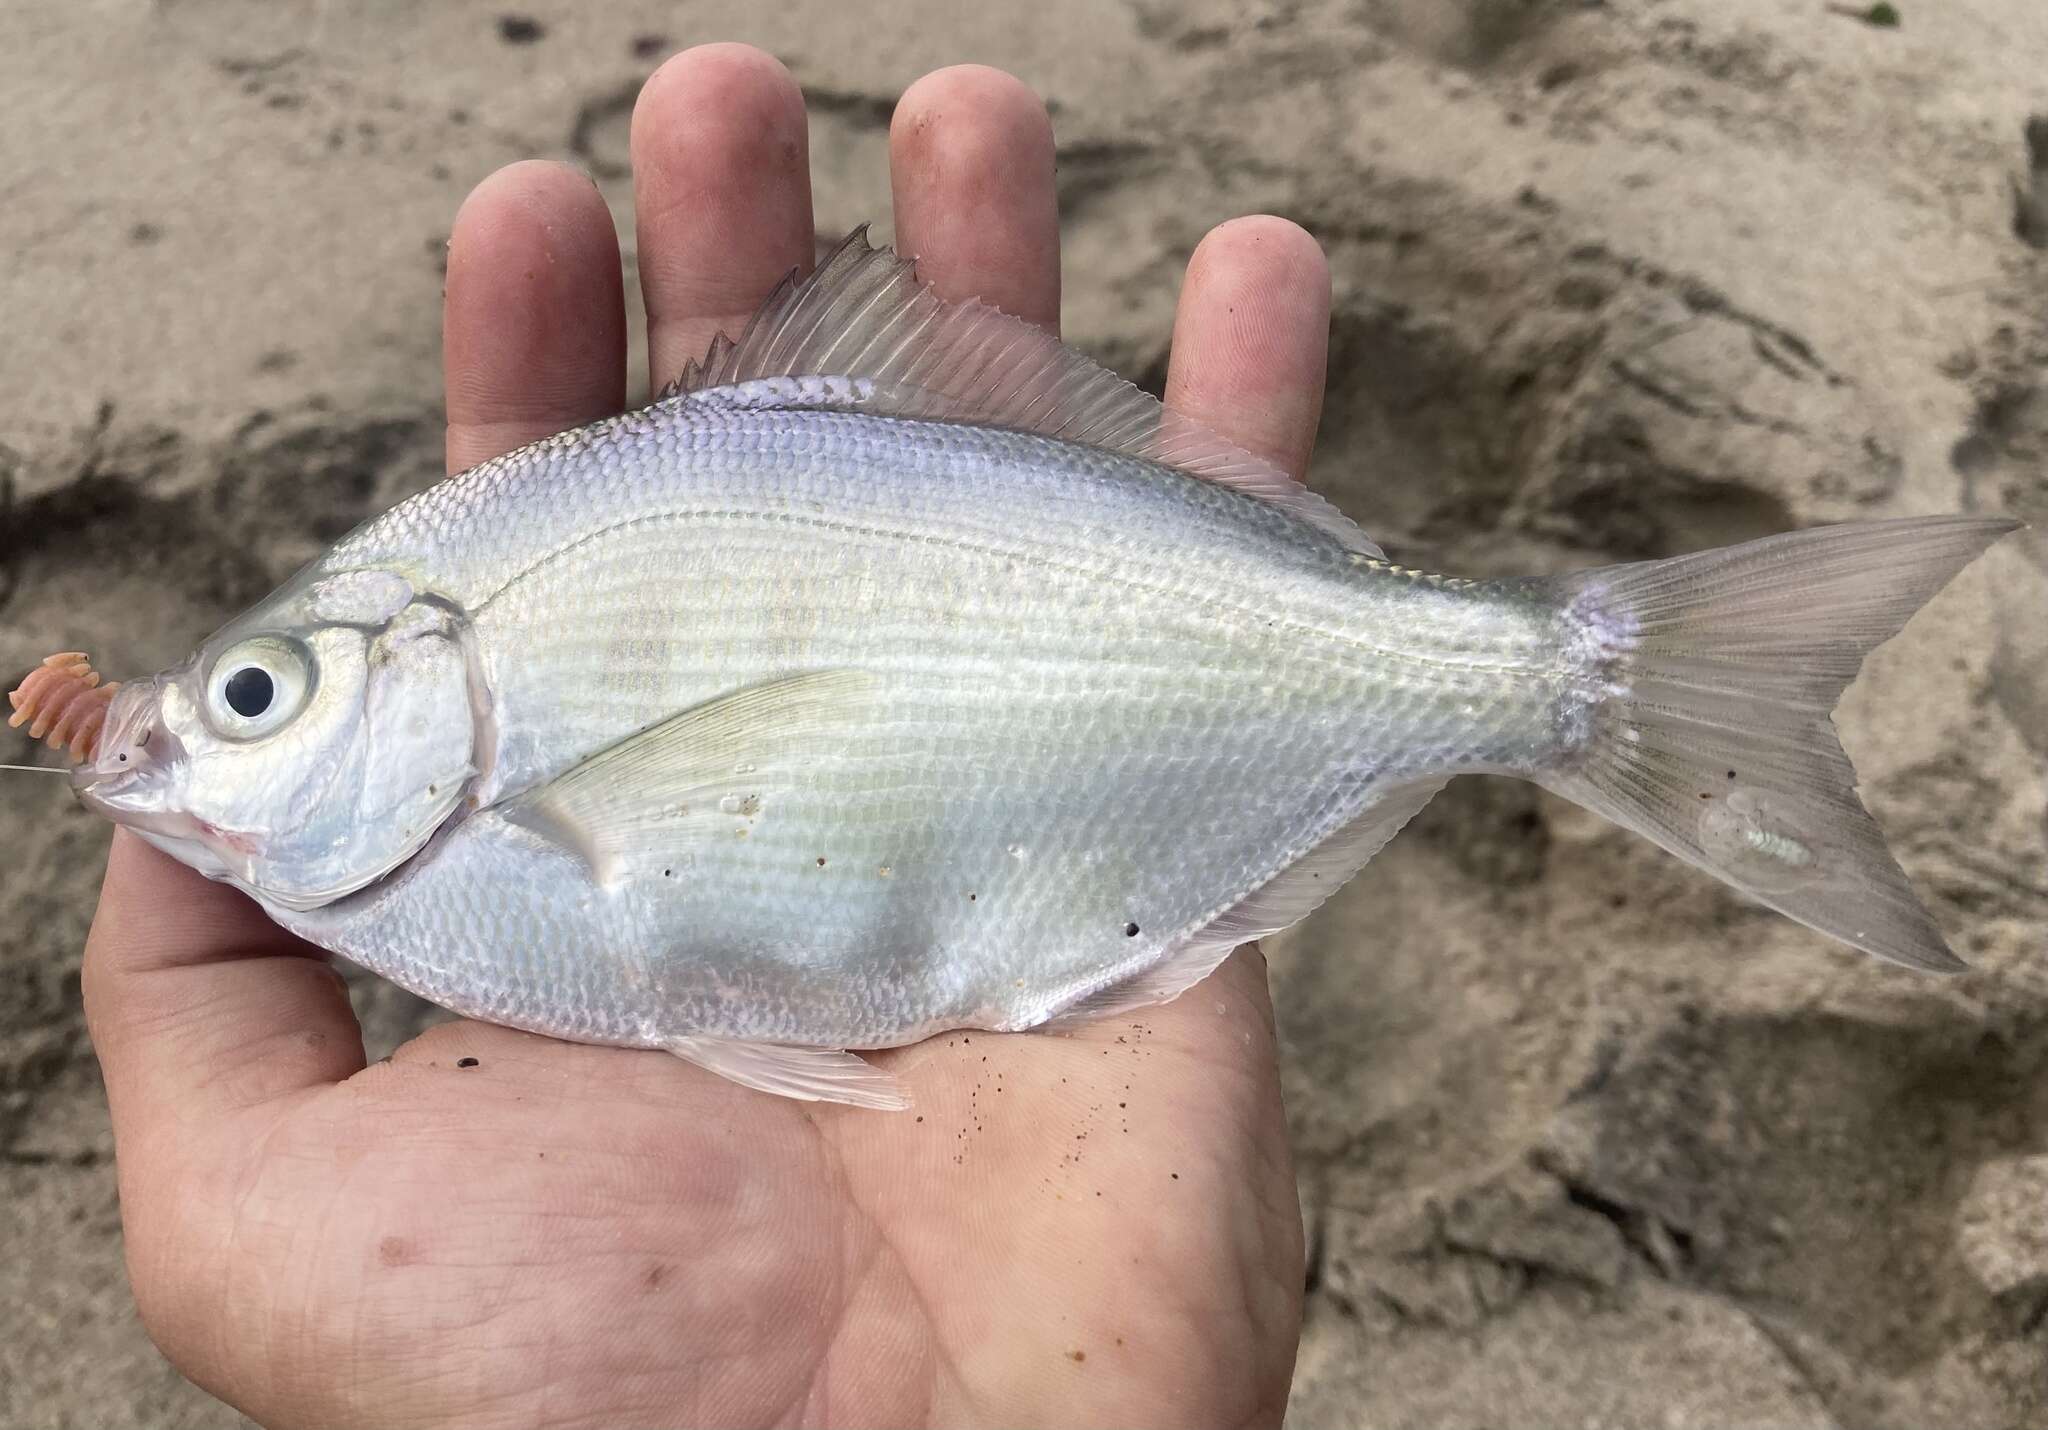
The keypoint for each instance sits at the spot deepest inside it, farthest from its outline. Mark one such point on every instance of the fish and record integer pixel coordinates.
(899, 669)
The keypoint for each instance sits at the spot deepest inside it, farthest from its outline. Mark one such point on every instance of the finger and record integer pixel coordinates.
(200, 1007)
(1251, 338)
(722, 189)
(1250, 345)
(534, 321)
(971, 170)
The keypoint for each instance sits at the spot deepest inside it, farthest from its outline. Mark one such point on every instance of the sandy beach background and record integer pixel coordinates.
(1584, 1140)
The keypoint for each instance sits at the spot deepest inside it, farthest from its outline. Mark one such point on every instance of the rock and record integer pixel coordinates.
(1529, 1219)
(2030, 194)
(2002, 1226)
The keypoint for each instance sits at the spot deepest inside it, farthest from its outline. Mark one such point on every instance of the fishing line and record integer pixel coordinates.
(37, 769)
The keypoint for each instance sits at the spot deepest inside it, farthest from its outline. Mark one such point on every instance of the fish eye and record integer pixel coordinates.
(258, 685)
(249, 691)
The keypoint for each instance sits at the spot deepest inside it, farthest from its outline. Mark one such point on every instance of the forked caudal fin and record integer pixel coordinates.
(1715, 738)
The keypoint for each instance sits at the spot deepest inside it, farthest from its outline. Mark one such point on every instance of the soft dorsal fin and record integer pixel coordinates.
(862, 315)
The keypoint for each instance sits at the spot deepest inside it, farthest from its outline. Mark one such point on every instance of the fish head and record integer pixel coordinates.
(307, 749)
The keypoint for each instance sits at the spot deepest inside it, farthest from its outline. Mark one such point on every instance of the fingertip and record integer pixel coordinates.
(526, 231)
(723, 77)
(957, 116)
(524, 185)
(1251, 337)
(1266, 242)
(971, 161)
(534, 322)
(721, 176)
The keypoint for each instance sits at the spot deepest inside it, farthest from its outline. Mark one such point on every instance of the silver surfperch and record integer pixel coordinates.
(903, 670)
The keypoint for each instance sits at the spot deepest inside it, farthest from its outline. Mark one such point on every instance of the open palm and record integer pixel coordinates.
(496, 1228)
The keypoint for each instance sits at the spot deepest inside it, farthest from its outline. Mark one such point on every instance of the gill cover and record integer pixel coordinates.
(308, 749)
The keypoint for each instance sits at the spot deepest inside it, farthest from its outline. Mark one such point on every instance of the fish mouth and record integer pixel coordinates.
(132, 780)
(127, 779)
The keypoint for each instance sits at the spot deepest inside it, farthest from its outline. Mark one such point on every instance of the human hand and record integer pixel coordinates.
(1090, 1229)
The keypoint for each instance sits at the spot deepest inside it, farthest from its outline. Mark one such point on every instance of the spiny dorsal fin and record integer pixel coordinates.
(863, 315)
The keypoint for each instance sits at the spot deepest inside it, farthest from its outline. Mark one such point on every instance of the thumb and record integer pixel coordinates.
(199, 1006)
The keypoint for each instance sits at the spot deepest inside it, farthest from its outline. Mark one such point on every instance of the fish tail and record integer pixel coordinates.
(1709, 725)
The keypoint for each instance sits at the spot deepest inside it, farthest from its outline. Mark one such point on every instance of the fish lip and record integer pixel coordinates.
(133, 781)
(98, 790)
(133, 758)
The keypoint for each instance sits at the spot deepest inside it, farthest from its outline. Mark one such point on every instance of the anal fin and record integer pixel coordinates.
(808, 1074)
(1282, 901)
(1161, 983)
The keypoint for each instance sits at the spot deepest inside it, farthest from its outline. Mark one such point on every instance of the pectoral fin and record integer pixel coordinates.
(729, 755)
(809, 1074)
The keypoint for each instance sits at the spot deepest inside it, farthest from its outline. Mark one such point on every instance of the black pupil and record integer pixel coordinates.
(249, 691)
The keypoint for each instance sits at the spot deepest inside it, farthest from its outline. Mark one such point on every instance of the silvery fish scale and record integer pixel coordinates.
(1109, 701)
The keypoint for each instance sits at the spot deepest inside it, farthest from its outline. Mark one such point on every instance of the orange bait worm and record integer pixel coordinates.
(63, 703)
